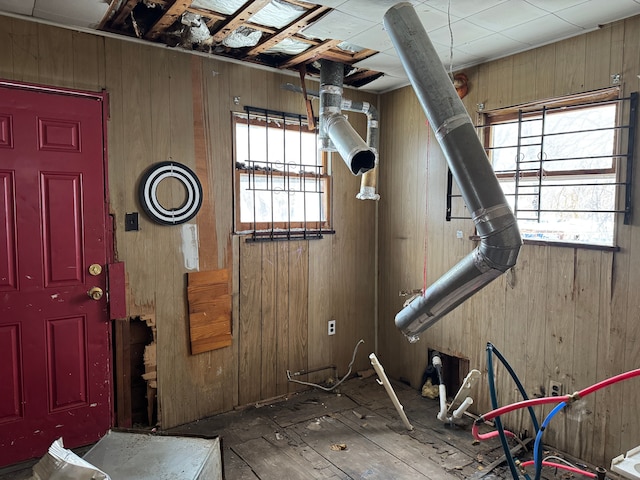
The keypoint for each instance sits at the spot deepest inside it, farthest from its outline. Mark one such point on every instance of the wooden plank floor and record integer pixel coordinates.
(302, 438)
(351, 433)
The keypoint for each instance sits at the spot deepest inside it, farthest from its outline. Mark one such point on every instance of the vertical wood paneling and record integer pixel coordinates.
(580, 417)
(269, 345)
(631, 420)
(25, 51)
(545, 63)
(250, 335)
(88, 61)
(6, 52)
(320, 307)
(570, 65)
(282, 317)
(55, 56)
(298, 294)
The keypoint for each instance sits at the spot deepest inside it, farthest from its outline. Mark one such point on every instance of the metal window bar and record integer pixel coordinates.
(630, 128)
(273, 171)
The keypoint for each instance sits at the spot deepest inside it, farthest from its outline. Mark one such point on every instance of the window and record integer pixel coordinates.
(560, 165)
(282, 182)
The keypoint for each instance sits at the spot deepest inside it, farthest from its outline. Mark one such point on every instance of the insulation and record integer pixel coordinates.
(289, 46)
(226, 7)
(242, 37)
(197, 32)
(277, 14)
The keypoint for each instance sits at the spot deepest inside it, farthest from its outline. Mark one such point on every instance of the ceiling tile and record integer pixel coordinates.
(506, 15)
(433, 19)
(338, 25)
(492, 46)
(329, 3)
(542, 30)
(21, 7)
(596, 12)
(462, 8)
(555, 5)
(384, 62)
(463, 32)
(81, 13)
(372, 10)
(384, 84)
(375, 38)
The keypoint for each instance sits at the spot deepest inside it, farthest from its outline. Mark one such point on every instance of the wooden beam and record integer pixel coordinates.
(294, 27)
(170, 16)
(309, 54)
(124, 12)
(247, 11)
(203, 12)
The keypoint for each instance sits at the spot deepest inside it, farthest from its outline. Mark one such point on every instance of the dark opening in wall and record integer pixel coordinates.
(454, 371)
(135, 401)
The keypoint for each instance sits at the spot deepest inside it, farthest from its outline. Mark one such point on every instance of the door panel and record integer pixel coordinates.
(54, 339)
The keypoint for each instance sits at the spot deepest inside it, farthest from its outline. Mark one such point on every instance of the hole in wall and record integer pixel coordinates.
(454, 371)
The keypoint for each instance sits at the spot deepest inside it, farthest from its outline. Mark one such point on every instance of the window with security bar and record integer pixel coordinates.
(282, 180)
(565, 165)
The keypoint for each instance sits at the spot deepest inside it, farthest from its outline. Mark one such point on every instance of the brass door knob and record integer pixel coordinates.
(95, 269)
(95, 293)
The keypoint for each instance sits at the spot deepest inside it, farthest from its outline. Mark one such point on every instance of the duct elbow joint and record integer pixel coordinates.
(358, 156)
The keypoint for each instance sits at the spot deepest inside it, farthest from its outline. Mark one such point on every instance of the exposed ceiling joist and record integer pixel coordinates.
(170, 16)
(310, 54)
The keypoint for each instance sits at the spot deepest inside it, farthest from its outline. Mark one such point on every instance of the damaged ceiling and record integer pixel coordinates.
(295, 34)
(267, 32)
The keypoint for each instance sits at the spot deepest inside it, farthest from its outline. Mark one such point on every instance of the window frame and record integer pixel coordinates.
(619, 174)
(276, 230)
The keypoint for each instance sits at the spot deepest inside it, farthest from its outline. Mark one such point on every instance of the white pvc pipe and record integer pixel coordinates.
(458, 412)
(384, 381)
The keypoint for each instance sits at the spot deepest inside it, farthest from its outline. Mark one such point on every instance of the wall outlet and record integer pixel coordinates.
(331, 327)
(555, 388)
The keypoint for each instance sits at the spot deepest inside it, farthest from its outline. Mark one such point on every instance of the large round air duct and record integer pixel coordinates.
(480, 189)
(336, 133)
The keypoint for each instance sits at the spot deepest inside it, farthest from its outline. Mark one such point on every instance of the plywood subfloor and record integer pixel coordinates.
(351, 433)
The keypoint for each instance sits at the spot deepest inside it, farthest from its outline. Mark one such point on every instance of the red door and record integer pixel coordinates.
(54, 339)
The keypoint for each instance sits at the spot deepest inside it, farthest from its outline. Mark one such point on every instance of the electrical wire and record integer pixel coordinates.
(498, 421)
(328, 389)
(562, 466)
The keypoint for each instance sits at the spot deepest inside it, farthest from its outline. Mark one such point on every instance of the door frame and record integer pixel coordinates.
(103, 97)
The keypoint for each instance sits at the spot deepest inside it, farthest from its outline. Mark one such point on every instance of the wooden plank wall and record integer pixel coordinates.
(563, 314)
(167, 104)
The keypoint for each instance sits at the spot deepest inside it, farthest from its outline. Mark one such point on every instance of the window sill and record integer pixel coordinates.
(585, 246)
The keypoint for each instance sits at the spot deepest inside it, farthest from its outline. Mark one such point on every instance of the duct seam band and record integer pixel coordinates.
(485, 215)
(346, 104)
(451, 124)
(331, 89)
(365, 107)
(331, 111)
(373, 123)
